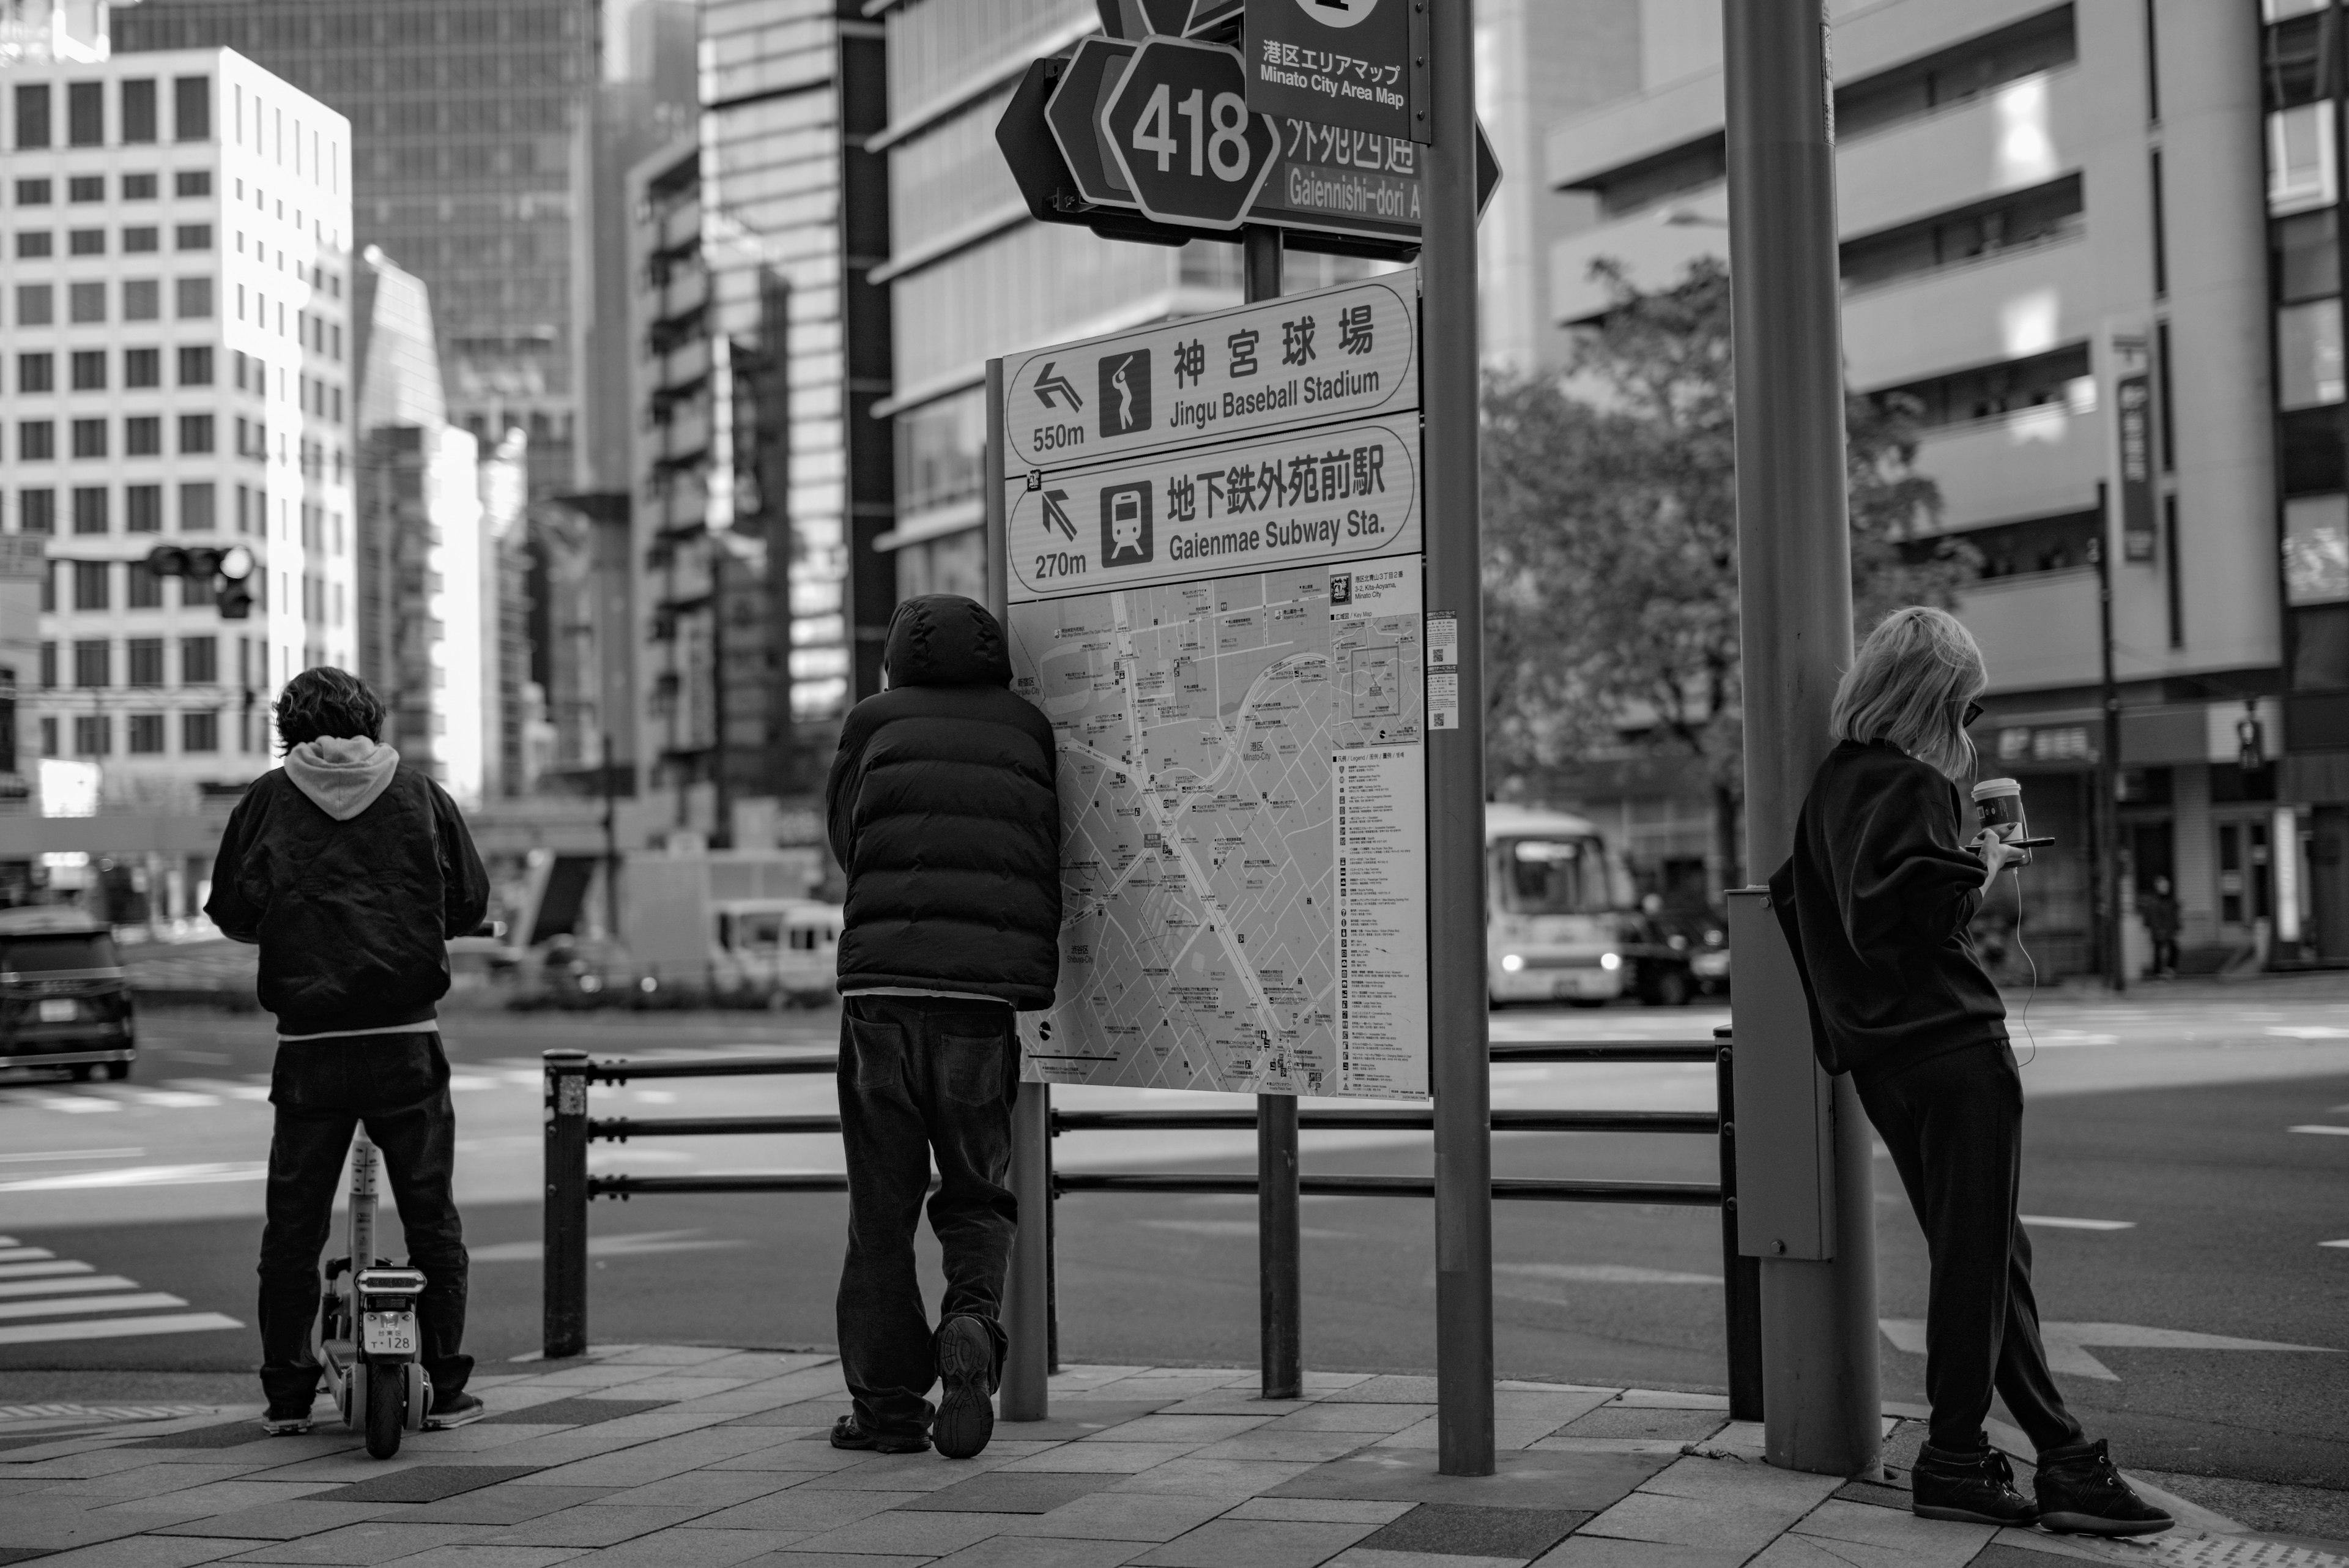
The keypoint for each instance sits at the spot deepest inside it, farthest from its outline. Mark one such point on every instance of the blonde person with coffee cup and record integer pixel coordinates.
(1876, 902)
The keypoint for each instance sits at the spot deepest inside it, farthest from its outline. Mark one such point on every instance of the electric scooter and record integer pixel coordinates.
(366, 1336)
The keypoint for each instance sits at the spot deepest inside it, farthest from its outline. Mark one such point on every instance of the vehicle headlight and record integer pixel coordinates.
(1512, 963)
(1610, 961)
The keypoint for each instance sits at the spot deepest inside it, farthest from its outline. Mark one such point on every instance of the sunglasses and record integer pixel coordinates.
(1973, 712)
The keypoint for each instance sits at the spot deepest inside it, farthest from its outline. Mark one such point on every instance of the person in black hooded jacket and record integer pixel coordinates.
(1875, 902)
(945, 813)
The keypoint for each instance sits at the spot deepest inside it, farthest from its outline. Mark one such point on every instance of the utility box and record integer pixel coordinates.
(1785, 1101)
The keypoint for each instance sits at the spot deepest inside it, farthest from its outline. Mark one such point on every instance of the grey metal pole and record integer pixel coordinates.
(1280, 1271)
(1818, 1318)
(2106, 820)
(1459, 1071)
(1026, 1290)
(563, 1246)
(1740, 1276)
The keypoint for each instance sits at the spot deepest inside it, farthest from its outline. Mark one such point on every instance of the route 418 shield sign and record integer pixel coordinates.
(1181, 131)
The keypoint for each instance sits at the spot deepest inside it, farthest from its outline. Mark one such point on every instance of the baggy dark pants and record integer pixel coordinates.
(1954, 1126)
(397, 1085)
(921, 1077)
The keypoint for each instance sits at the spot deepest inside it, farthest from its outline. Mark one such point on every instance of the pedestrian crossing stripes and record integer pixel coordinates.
(82, 1303)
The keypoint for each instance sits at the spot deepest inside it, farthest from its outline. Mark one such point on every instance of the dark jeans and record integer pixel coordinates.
(921, 1077)
(398, 1086)
(1954, 1126)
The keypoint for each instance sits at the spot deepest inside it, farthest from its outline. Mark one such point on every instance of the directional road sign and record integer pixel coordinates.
(1179, 128)
(1305, 359)
(1358, 64)
(1074, 115)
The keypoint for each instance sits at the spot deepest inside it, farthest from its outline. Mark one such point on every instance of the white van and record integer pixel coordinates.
(1564, 924)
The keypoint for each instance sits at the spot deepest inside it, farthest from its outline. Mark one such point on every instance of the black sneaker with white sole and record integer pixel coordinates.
(2081, 1493)
(459, 1409)
(848, 1432)
(964, 1352)
(286, 1420)
(1975, 1488)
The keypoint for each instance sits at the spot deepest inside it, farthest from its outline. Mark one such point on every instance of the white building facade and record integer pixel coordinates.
(172, 282)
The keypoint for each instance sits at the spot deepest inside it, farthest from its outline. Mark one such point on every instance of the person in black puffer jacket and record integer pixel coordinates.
(1875, 902)
(945, 814)
(352, 872)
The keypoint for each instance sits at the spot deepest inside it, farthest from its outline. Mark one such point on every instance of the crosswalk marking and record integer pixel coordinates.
(66, 1283)
(146, 1301)
(116, 1328)
(2319, 1128)
(2058, 1222)
(34, 1271)
(23, 1254)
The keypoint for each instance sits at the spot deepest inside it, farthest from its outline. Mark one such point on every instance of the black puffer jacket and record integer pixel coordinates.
(944, 812)
(353, 918)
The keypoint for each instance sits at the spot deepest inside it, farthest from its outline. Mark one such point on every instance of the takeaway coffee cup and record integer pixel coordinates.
(1998, 803)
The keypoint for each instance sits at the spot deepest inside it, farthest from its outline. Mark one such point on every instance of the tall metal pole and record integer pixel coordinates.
(1459, 1070)
(1027, 1289)
(1818, 1317)
(2106, 820)
(611, 853)
(1280, 1271)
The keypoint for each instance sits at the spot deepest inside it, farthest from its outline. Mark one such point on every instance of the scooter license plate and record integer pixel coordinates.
(387, 1333)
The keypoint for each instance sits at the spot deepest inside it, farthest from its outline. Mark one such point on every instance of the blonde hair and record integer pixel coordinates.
(1909, 684)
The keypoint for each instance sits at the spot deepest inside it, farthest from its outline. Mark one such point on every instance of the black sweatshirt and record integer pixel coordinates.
(1875, 901)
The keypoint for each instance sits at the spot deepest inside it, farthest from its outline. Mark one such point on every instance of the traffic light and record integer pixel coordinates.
(225, 567)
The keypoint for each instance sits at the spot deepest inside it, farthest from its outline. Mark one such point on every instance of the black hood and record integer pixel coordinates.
(945, 640)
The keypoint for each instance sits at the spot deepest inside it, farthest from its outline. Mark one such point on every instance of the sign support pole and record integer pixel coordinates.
(1026, 1290)
(1819, 1316)
(1459, 1070)
(1280, 1272)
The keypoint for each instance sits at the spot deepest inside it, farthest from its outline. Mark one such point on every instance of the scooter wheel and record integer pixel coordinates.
(387, 1398)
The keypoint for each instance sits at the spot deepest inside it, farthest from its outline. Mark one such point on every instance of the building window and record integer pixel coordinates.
(48, 665)
(200, 732)
(32, 244)
(195, 432)
(35, 304)
(146, 732)
(37, 441)
(192, 106)
(196, 365)
(86, 188)
(141, 240)
(90, 510)
(36, 373)
(86, 302)
(139, 110)
(194, 237)
(146, 659)
(141, 589)
(93, 732)
(36, 512)
(32, 115)
(48, 737)
(2308, 354)
(139, 187)
(142, 299)
(89, 371)
(192, 182)
(85, 243)
(195, 298)
(199, 661)
(142, 507)
(86, 114)
(142, 436)
(32, 193)
(143, 368)
(196, 507)
(89, 438)
(90, 581)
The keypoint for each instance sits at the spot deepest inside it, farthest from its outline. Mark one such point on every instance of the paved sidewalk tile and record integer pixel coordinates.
(1121, 1516)
(1520, 1533)
(1659, 1517)
(1664, 1399)
(1103, 1458)
(1035, 1552)
(912, 1534)
(592, 1524)
(991, 1492)
(1524, 1479)
(1278, 1442)
(1558, 1406)
(810, 1512)
(1164, 1428)
(682, 1548)
(1640, 1421)
(707, 1489)
(1598, 1552)
(421, 1483)
(143, 1481)
(1321, 1511)
(491, 1557)
(277, 1520)
(1328, 1415)
(1073, 1418)
(1256, 1543)
(1793, 1491)
(1233, 1479)
(151, 1552)
(926, 1472)
(375, 1540)
(1383, 1389)
(807, 1455)
(504, 1503)
(1372, 1557)
(562, 1406)
(1926, 1542)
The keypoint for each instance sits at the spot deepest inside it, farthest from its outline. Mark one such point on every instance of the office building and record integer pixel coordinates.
(177, 372)
(2052, 215)
(472, 122)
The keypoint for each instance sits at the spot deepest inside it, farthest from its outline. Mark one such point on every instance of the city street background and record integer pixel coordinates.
(2187, 1153)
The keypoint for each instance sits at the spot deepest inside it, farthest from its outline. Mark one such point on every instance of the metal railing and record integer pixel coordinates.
(569, 1130)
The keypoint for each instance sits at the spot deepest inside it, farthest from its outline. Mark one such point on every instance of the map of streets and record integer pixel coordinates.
(1241, 778)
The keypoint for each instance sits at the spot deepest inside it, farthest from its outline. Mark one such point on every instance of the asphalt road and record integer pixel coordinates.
(2172, 1199)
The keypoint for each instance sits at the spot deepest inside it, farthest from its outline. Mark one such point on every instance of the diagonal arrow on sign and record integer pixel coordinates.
(2067, 1343)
